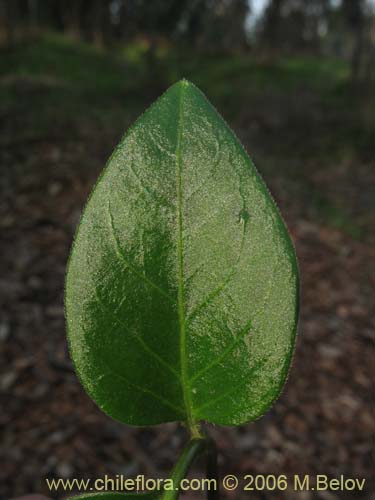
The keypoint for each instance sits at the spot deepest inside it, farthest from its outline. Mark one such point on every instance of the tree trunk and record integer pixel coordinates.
(272, 26)
(9, 11)
(357, 54)
(33, 14)
(71, 16)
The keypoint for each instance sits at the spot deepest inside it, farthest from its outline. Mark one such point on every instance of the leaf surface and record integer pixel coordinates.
(182, 285)
(118, 496)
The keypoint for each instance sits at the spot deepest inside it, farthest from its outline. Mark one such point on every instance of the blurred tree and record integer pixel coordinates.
(10, 18)
(159, 18)
(33, 13)
(271, 31)
(295, 24)
(341, 28)
(47, 15)
(191, 24)
(71, 16)
(354, 13)
(224, 24)
(98, 14)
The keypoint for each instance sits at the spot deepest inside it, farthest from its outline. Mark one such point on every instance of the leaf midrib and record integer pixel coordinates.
(185, 383)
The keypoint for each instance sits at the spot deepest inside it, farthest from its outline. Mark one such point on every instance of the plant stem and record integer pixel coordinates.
(194, 449)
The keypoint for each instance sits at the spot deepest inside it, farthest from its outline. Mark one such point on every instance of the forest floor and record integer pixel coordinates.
(63, 108)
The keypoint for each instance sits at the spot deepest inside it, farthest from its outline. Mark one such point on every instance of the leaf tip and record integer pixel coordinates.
(184, 83)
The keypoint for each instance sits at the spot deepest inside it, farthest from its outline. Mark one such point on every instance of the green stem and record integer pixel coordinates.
(194, 449)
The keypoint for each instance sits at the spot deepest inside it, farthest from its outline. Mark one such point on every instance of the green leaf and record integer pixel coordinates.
(118, 496)
(182, 287)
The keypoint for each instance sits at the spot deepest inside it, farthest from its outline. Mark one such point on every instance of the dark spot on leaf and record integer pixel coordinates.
(243, 216)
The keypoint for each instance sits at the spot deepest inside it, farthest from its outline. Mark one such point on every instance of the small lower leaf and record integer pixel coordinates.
(118, 496)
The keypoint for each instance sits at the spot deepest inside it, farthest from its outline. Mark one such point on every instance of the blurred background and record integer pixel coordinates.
(296, 81)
